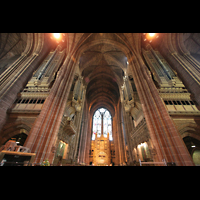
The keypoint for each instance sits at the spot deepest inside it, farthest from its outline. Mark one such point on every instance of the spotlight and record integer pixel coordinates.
(150, 37)
(151, 34)
(57, 35)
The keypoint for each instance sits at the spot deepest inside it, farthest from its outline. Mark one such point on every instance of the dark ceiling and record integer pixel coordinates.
(11, 47)
(103, 66)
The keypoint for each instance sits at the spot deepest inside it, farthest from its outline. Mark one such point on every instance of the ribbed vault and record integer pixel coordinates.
(103, 65)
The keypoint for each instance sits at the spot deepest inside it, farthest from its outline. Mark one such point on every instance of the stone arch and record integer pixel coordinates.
(189, 134)
(117, 45)
(12, 129)
(106, 106)
(92, 115)
(189, 129)
(192, 143)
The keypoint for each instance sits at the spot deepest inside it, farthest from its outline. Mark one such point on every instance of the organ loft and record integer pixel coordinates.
(100, 99)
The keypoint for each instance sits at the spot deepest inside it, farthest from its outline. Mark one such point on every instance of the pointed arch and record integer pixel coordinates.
(97, 123)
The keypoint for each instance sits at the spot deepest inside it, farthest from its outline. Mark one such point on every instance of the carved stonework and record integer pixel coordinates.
(101, 155)
(140, 133)
(128, 105)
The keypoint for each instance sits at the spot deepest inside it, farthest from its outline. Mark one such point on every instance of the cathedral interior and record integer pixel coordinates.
(100, 99)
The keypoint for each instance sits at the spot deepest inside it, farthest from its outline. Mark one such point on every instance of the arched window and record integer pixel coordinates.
(107, 123)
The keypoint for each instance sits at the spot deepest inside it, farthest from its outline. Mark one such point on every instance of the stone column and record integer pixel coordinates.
(83, 135)
(128, 127)
(120, 135)
(78, 124)
(88, 139)
(150, 148)
(44, 132)
(115, 139)
(101, 124)
(164, 135)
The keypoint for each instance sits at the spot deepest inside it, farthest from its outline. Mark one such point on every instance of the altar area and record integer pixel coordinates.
(101, 155)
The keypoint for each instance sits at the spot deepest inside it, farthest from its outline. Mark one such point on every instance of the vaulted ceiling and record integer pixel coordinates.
(192, 44)
(103, 65)
(11, 47)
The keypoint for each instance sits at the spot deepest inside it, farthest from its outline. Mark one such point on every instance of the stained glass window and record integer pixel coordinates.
(96, 124)
(107, 123)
